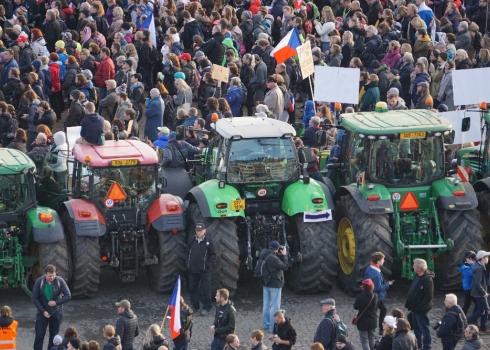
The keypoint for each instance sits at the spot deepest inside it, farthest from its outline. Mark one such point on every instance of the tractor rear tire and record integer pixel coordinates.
(465, 229)
(484, 208)
(223, 233)
(317, 270)
(359, 235)
(56, 254)
(171, 261)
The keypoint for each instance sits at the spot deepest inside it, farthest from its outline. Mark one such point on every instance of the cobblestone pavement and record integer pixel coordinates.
(89, 316)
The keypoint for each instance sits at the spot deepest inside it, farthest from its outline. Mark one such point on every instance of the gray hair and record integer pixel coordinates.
(420, 263)
(452, 299)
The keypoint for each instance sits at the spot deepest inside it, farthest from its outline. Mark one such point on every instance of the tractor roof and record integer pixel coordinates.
(393, 122)
(13, 161)
(102, 156)
(253, 127)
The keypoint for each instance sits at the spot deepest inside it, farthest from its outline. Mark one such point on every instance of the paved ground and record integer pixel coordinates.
(89, 316)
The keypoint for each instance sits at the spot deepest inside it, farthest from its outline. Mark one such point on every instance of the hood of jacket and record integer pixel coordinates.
(6, 321)
(60, 141)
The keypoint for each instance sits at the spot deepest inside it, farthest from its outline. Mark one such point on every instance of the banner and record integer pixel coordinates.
(471, 86)
(335, 84)
(220, 73)
(305, 59)
(466, 126)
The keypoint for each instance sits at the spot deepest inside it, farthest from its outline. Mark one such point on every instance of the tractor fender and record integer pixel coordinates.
(88, 221)
(208, 194)
(298, 198)
(166, 213)
(457, 203)
(45, 225)
(382, 206)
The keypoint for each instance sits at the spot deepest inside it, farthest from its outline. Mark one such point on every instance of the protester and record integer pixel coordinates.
(283, 334)
(472, 339)
(154, 338)
(479, 290)
(113, 340)
(366, 319)
(224, 319)
(404, 338)
(326, 332)
(450, 329)
(8, 328)
(182, 341)
(126, 325)
(256, 338)
(389, 329)
(467, 278)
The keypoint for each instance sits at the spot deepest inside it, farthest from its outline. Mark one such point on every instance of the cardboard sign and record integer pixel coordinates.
(471, 86)
(335, 84)
(220, 73)
(305, 59)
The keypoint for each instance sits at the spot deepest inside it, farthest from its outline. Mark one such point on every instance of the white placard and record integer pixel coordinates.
(305, 58)
(473, 134)
(471, 86)
(335, 84)
(72, 135)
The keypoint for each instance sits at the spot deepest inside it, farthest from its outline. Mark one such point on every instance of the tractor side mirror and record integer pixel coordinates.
(306, 176)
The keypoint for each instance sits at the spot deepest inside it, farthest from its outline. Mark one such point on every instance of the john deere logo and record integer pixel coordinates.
(261, 192)
(396, 196)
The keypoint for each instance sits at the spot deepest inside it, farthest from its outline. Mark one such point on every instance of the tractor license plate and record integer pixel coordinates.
(237, 204)
(124, 162)
(413, 135)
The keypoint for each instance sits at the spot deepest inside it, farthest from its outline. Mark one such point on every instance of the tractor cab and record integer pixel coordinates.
(392, 164)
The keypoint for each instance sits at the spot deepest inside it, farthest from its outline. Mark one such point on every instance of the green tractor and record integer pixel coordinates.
(30, 236)
(392, 195)
(248, 190)
(475, 163)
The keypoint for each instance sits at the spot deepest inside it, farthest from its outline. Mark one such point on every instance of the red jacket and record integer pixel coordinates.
(105, 71)
(54, 74)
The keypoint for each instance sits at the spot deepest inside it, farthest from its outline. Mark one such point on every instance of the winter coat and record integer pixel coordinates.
(105, 71)
(347, 52)
(405, 71)
(391, 58)
(75, 114)
(463, 40)
(8, 126)
(370, 98)
(191, 28)
(122, 107)
(26, 56)
(224, 320)
(61, 294)
(177, 152)
(309, 112)
(52, 33)
(21, 146)
(479, 283)
(421, 48)
(474, 344)
(419, 78)
(183, 97)
(323, 29)
(38, 155)
(92, 128)
(467, 276)
(127, 328)
(155, 109)
(39, 47)
(372, 50)
(12, 91)
(162, 141)
(274, 99)
(7, 66)
(404, 341)
(70, 74)
(284, 331)
(326, 332)
(201, 256)
(436, 79)
(367, 303)
(380, 285)
(335, 61)
(273, 269)
(445, 95)
(55, 76)
(449, 323)
(59, 153)
(48, 118)
(113, 344)
(108, 105)
(157, 341)
(214, 49)
(421, 293)
(236, 98)
(385, 343)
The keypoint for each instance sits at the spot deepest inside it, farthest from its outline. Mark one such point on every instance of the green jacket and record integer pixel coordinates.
(370, 98)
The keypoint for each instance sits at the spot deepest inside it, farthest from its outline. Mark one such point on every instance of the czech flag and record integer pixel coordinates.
(149, 24)
(287, 46)
(174, 306)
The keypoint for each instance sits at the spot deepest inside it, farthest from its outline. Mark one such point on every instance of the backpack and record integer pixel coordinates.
(321, 138)
(461, 324)
(340, 330)
(260, 271)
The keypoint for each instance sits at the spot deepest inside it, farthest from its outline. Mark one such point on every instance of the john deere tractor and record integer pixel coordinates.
(30, 236)
(393, 195)
(249, 191)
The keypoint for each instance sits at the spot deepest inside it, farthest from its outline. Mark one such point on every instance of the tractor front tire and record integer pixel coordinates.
(359, 235)
(57, 254)
(465, 229)
(223, 233)
(171, 261)
(317, 270)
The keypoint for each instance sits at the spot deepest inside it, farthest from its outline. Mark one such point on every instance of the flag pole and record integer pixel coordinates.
(311, 90)
(165, 316)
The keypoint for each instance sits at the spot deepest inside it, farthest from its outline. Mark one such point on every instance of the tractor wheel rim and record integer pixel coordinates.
(346, 246)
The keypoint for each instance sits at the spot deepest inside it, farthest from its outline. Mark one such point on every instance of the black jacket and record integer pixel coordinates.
(112, 343)
(449, 323)
(156, 342)
(367, 304)
(479, 286)
(284, 331)
(61, 294)
(201, 255)
(190, 29)
(421, 293)
(214, 49)
(224, 320)
(5, 321)
(259, 346)
(75, 114)
(92, 127)
(273, 270)
(385, 343)
(127, 329)
(404, 341)
(326, 332)
(26, 56)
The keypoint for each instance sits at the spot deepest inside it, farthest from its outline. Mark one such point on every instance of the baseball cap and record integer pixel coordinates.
(390, 321)
(328, 301)
(185, 56)
(22, 38)
(274, 245)
(124, 303)
(200, 226)
(164, 130)
(481, 254)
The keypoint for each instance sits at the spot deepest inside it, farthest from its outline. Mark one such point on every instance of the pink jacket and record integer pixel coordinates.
(391, 58)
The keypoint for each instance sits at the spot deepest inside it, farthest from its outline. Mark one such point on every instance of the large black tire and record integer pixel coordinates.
(484, 209)
(317, 270)
(223, 234)
(370, 233)
(465, 229)
(56, 254)
(85, 252)
(171, 261)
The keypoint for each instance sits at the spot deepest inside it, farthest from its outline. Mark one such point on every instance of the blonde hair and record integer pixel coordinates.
(348, 37)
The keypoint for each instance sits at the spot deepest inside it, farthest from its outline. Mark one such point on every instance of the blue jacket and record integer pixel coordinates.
(380, 285)
(308, 113)
(61, 294)
(155, 108)
(235, 97)
(92, 127)
(467, 274)
(161, 142)
(6, 69)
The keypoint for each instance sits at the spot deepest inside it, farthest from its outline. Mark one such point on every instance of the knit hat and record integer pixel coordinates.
(36, 64)
(198, 55)
(57, 340)
(154, 93)
(274, 245)
(390, 321)
(185, 56)
(60, 44)
(87, 73)
(164, 130)
(393, 92)
(179, 75)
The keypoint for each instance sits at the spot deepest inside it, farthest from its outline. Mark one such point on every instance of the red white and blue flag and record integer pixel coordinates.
(287, 46)
(174, 308)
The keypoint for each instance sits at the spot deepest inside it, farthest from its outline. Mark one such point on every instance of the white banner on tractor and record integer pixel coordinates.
(335, 84)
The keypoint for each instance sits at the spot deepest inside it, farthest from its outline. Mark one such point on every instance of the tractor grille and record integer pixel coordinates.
(263, 207)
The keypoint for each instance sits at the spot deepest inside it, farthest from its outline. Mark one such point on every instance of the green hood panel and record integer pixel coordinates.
(208, 195)
(298, 198)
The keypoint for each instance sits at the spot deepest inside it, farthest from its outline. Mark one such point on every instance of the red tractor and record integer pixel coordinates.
(118, 217)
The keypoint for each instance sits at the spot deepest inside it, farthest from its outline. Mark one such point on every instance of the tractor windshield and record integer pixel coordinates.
(14, 192)
(407, 161)
(124, 186)
(262, 160)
